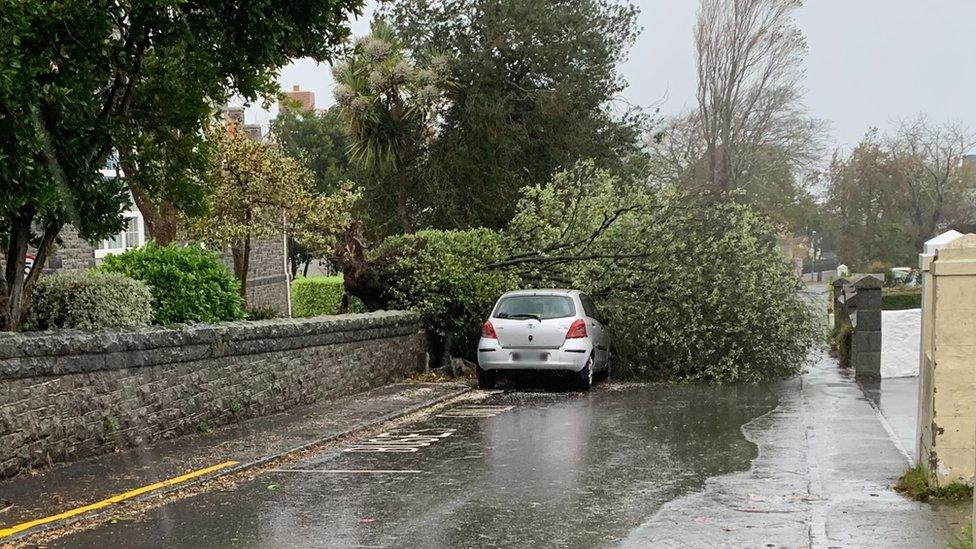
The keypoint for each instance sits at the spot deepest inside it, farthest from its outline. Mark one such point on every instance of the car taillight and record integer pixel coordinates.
(488, 331)
(577, 329)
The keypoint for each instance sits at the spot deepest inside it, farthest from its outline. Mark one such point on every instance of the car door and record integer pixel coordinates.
(595, 325)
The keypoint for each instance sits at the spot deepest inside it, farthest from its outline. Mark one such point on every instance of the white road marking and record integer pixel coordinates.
(400, 443)
(475, 411)
(349, 471)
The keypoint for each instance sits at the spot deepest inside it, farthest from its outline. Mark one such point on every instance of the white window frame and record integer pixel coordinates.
(101, 250)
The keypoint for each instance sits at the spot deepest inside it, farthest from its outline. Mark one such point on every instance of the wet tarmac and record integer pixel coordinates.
(525, 469)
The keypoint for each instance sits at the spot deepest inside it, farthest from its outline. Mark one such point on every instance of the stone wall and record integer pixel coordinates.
(68, 395)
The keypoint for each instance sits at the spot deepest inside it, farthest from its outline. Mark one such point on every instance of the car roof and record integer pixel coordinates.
(547, 291)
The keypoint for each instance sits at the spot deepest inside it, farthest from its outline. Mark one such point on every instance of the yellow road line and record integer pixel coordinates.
(115, 499)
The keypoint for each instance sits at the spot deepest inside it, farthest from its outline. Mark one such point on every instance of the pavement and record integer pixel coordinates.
(67, 488)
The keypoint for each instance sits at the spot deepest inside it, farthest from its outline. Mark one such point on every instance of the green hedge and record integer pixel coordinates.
(899, 300)
(188, 283)
(89, 301)
(320, 295)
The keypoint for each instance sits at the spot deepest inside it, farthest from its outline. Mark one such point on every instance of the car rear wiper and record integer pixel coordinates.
(526, 315)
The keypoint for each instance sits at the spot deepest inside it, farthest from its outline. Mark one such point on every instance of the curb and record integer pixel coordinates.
(240, 467)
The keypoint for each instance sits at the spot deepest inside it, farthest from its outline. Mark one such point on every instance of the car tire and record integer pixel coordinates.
(486, 379)
(584, 377)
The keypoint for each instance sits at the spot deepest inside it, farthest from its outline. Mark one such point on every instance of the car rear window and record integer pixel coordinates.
(535, 306)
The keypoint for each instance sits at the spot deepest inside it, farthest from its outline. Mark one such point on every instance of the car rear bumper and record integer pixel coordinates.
(571, 356)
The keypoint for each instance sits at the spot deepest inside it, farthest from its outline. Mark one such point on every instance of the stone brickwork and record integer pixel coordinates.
(267, 277)
(68, 395)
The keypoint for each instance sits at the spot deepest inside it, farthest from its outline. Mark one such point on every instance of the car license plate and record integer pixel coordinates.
(530, 356)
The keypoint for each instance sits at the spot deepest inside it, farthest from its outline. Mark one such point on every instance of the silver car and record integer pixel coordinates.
(556, 330)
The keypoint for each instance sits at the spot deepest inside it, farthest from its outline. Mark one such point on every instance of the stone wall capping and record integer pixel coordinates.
(79, 351)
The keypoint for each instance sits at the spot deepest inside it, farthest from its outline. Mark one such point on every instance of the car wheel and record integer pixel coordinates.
(486, 379)
(584, 378)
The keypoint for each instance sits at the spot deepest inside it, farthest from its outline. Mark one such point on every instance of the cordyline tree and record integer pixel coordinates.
(260, 192)
(83, 78)
(386, 97)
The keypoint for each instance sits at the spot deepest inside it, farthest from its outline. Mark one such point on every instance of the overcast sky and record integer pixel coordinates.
(870, 62)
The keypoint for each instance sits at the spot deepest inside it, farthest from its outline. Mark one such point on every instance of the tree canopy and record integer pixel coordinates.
(535, 87)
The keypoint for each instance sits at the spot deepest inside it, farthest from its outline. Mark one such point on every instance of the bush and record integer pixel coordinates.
(441, 275)
(188, 283)
(89, 301)
(878, 267)
(897, 300)
(261, 313)
(693, 289)
(840, 344)
(320, 295)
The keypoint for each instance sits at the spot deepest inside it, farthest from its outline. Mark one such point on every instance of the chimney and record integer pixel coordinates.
(305, 99)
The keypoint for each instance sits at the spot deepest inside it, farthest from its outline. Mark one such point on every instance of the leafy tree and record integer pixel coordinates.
(319, 139)
(261, 192)
(83, 78)
(749, 65)
(535, 87)
(893, 193)
(385, 96)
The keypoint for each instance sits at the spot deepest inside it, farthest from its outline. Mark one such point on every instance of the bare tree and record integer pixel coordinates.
(938, 185)
(749, 56)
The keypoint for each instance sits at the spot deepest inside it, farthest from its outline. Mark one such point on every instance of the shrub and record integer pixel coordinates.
(840, 344)
(896, 300)
(89, 301)
(320, 295)
(188, 283)
(261, 313)
(878, 267)
(441, 275)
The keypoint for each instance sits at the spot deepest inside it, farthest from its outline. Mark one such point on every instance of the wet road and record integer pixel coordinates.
(525, 469)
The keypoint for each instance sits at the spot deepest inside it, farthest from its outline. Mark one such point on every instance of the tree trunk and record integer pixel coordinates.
(242, 260)
(305, 268)
(402, 207)
(159, 216)
(48, 241)
(14, 272)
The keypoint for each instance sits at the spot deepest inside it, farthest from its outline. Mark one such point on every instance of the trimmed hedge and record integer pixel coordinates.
(188, 283)
(900, 300)
(89, 301)
(320, 295)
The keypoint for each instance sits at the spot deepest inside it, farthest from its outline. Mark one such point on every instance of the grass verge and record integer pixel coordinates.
(963, 539)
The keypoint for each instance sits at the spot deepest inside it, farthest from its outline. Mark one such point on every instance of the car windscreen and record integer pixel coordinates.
(541, 307)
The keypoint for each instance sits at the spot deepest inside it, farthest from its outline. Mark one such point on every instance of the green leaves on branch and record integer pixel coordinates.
(187, 283)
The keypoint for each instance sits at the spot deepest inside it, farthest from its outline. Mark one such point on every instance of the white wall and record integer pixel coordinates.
(901, 334)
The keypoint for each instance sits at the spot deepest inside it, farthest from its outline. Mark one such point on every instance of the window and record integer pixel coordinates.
(542, 307)
(130, 237)
(589, 308)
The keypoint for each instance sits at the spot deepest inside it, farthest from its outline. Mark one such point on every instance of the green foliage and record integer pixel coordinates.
(915, 484)
(319, 140)
(840, 344)
(81, 79)
(897, 300)
(319, 295)
(535, 88)
(694, 290)
(963, 539)
(876, 266)
(89, 301)
(188, 283)
(441, 275)
(261, 313)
